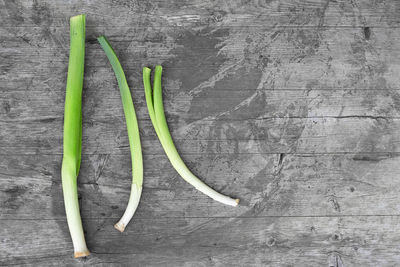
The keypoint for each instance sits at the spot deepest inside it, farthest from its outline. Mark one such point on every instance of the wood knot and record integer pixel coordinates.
(367, 33)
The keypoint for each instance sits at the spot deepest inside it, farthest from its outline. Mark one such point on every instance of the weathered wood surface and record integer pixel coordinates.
(268, 185)
(282, 135)
(292, 106)
(262, 241)
(197, 61)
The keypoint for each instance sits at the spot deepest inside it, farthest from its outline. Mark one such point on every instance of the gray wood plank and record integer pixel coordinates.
(268, 185)
(208, 136)
(104, 102)
(351, 241)
(25, 13)
(198, 61)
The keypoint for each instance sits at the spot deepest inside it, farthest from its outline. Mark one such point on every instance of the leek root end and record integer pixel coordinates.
(81, 254)
(120, 227)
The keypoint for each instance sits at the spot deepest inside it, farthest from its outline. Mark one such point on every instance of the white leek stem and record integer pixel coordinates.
(71, 203)
(136, 192)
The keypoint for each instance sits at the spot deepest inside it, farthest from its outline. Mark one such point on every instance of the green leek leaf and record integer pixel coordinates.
(133, 135)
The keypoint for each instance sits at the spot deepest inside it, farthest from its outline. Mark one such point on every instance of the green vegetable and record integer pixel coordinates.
(157, 116)
(73, 134)
(133, 134)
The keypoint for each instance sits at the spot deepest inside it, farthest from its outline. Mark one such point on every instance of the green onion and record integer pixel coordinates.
(157, 116)
(133, 134)
(73, 134)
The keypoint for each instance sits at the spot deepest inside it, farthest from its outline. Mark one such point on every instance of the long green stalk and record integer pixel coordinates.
(156, 111)
(73, 134)
(133, 135)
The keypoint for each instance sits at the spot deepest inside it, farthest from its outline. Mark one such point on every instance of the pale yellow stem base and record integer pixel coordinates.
(119, 226)
(81, 254)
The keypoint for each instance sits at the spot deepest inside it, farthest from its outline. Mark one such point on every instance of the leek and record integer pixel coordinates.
(156, 111)
(133, 135)
(73, 134)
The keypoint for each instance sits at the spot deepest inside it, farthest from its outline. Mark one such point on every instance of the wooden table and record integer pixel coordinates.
(292, 106)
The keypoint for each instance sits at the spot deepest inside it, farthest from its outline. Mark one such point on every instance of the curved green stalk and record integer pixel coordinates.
(157, 116)
(73, 134)
(133, 134)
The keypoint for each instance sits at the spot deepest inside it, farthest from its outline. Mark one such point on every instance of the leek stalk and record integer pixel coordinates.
(73, 134)
(133, 135)
(156, 111)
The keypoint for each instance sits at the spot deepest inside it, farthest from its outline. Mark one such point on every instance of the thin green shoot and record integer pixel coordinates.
(133, 135)
(156, 111)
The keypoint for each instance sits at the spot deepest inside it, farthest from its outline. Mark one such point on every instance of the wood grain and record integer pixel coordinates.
(271, 185)
(272, 135)
(350, 241)
(104, 103)
(25, 13)
(201, 60)
(292, 106)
